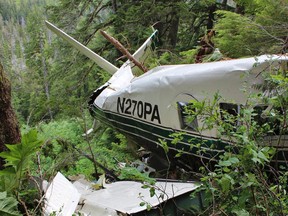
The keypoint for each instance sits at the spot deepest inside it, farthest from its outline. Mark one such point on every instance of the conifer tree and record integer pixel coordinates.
(261, 29)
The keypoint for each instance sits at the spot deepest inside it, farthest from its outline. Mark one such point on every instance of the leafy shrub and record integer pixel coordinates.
(14, 179)
(8, 205)
(131, 173)
(68, 151)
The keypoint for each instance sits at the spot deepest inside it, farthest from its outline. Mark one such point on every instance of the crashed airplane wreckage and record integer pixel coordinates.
(64, 198)
(151, 107)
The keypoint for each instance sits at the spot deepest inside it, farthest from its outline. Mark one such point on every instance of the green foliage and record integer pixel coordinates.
(58, 153)
(52, 80)
(237, 35)
(66, 150)
(14, 178)
(18, 160)
(131, 173)
(260, 31)
(188, 56)
(239, 184)
(113, 148)
(8, 205)
(180, 23)
(70, 78)
(19, 155)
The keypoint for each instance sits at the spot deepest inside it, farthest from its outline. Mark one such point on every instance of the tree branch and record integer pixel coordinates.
(123, 50)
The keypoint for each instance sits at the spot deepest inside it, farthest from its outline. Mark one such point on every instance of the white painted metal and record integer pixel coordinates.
(165, 85)
(61, 197)
(126, 196)
(103, 63)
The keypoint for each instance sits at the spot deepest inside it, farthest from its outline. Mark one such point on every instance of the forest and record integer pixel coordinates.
(50, 82)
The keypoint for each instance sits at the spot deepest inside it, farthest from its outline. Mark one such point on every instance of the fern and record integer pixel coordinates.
(8, 205)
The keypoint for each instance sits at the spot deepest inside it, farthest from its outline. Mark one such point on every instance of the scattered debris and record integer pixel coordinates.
(61, 197)
(143, 167)
(122, 197)
(100, 184)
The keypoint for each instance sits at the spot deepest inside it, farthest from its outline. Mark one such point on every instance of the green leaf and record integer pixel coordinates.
(226, 182)
(233, 160)
(164, 145)
(8, 205)
(225, 163)
(262, 156)
(152, 191)
(145, 186)
(17, 160)
(226, 169)
(19, 154)
(149, 207)
(241, 212)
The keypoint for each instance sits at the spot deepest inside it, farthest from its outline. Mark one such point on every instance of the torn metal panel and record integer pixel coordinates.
(229, 3)
(64, 198)
(126, 196)
(61, 197)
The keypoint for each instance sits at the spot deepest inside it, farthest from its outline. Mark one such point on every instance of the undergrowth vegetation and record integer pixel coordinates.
(68, 149)
(56, 146)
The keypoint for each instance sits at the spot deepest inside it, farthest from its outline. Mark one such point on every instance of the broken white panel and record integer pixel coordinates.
(230, 3)
(89, 207)
(61, 197)
(126, 196)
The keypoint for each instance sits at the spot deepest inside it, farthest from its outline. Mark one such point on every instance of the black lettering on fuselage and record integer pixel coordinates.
(128, 107)
(147, 109)
(120, 105)
(155, 114)
(140, 109)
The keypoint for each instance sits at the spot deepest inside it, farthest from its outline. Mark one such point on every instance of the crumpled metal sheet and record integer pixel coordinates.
(65, 198)
(126, 196)
(61, 197)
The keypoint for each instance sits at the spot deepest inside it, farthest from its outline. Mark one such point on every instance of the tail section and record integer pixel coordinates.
(140, 55)
(141, 52)
(144, 51)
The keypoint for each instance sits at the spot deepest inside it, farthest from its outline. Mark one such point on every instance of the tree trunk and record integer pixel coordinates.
(114, 6)
(9, 128)
(45, 78)
(173, 31)
(211, 17)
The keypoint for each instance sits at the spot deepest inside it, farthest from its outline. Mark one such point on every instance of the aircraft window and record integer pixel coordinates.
(259, 116)
(232, 110)
(229, 108)
(185, 109)
(262, 117)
